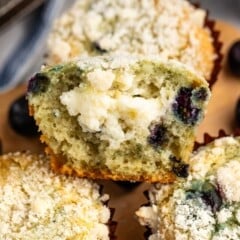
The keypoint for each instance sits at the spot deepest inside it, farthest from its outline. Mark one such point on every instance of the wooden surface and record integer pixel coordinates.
(220, 115)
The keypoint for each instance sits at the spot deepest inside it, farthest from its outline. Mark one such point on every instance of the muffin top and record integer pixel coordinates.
(206, 205)
(94, 27)
(35, 203)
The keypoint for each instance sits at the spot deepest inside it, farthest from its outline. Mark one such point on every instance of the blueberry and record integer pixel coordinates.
(20, 120)
(237, 113)
(38, 83)
(96, 46)
(174, 159)
(157, 135)
(180, 169)
(200, 94)
(234, 58)
(183, 107)
(211, 196)
(208, 193)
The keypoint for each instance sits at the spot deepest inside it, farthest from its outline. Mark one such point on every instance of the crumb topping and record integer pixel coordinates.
(37, 204)
(147, 216)
(193, 221)
(205, 159)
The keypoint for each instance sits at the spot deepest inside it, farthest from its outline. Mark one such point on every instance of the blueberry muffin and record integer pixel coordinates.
(146, 27)
(35, 203)
(119, 117)
(205, 206)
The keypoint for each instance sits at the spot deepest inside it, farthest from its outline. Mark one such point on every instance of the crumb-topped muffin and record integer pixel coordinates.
(119, 117)
(204, 207)
(173, 29)
(35, 203)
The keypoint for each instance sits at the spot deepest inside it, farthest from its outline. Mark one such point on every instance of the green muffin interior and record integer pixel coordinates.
(134, 119)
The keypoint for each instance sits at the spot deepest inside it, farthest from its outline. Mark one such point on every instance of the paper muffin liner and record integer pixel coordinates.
(217, 44)
(207, 138)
